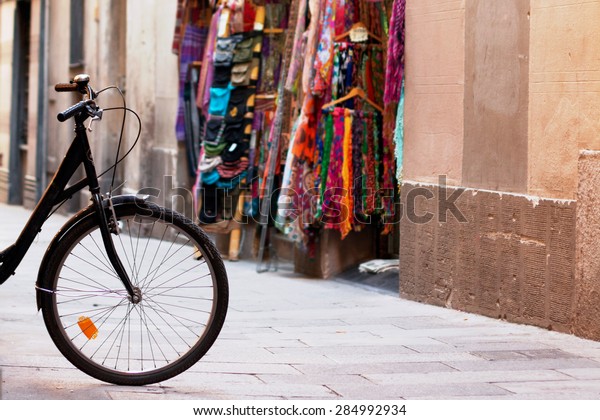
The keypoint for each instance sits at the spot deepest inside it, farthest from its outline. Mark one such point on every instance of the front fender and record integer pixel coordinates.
(42, 281)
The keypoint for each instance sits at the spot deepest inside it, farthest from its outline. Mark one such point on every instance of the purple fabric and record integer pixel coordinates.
(192, 46)
(334, 188)
(395, 62)
(207, 72)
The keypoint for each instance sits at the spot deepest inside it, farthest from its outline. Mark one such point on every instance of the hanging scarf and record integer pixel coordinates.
(328, 139)
(207, 70)
(371, 174)
(387, 178)
(377, 64)
(399, 138)
(284, 210)
(318, 159)
(347, 197)
(375, 161)
(340, 19)
(324, 57)
(179, 26)
(333, 191)
(312, 39)
(192, 45)
(349, 14)
(298, 42)
(395, 60)
(304, 141)
(357, 163)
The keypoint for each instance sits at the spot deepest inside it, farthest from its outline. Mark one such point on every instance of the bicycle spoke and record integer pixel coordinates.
(178, 287)
(169, 327)
(110, 273)
(155, 254)
(164, 260)
(102, 252)
(178, 318)
(172, 267)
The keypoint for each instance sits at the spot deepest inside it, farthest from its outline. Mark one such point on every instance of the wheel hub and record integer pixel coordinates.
(137, 296)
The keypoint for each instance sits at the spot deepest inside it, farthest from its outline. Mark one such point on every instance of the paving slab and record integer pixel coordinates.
(290, 337)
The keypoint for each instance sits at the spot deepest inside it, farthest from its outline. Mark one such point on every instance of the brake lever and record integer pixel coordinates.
(97, 117)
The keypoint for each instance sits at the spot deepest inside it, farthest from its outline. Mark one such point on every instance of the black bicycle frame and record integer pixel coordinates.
(79, 153)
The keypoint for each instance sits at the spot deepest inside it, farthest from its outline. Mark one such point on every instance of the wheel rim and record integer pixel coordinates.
(177, 289)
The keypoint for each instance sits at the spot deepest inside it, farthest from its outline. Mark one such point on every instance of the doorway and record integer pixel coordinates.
(19, 104)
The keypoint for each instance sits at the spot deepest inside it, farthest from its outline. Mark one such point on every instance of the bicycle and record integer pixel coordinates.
(131, 293)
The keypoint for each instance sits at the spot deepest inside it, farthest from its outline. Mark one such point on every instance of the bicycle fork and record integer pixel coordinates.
(135, 294)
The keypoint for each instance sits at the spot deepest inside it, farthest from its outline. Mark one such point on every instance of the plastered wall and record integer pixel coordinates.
(435, 76)
(496, 95)
(564, 111)
(7, 11)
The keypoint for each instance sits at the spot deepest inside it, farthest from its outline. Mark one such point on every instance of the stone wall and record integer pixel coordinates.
(586, 322)
(512, 257)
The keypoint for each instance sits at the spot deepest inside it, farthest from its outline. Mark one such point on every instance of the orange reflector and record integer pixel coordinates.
(88, 327)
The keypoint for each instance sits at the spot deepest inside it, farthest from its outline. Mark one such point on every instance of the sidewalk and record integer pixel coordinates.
(287, 337)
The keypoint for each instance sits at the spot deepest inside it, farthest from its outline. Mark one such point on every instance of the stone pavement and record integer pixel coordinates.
(288, 337)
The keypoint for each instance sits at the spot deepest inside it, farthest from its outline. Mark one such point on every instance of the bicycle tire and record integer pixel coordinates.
(180, 314)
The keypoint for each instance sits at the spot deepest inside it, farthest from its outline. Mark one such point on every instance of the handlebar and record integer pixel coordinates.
(75, 109)
(66, 87)
(80, 83)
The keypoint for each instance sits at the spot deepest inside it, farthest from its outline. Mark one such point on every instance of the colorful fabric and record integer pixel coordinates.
(324, 56)
(312, 39)
(284, 212)
(395, 57)
(298, 46)
(191, 50)
(334, 186)
(399, 138)
(207, 71)
(207, 164)
(229, 184)
(324, 167)
(367, 169)
(179, 25)
(357, 163)
(371, 166)
(231, 171)
(210, 178)
(249, 16)
(304, 141)
(349, 14)
(340, 19)
(377, 65)
(219, 99)
(347, 201)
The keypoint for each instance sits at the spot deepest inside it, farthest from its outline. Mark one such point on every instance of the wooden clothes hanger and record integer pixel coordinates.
(358, 26)
(354, 93)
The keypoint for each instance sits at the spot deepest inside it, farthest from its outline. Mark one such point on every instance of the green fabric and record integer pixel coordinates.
(325, 163)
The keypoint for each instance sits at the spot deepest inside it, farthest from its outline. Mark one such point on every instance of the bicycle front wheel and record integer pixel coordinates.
(184, 296)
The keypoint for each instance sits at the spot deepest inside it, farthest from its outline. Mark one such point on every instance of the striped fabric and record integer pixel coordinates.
(191, 50)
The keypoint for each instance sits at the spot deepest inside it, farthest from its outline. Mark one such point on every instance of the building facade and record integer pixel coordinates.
(125, 43)
(502, 99)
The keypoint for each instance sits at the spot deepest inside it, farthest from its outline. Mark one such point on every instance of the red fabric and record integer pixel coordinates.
(249, 16)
